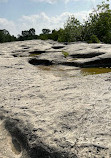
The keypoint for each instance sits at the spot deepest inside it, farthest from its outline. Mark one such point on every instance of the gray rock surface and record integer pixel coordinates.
(48, 108)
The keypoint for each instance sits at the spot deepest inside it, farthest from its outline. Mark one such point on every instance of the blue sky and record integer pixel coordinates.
(18, 15)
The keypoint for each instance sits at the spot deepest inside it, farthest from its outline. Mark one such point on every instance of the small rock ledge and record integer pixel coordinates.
(30, 143)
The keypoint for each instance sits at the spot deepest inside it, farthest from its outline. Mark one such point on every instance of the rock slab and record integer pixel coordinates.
(47, 107)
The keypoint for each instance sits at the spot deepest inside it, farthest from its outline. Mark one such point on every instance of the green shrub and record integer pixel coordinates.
(94, 39)
(65, 54)
(99, 24)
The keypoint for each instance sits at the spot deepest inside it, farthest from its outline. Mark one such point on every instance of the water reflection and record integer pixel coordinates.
(93, 71)
(64, 71)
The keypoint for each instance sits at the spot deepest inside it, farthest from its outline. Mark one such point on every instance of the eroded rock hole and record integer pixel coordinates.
(97, 47)
(57, 47)
(26, 47)
(23, 45)
(40, 62)
(104, 63)
(15, 55)
(37, 52)
(91, 55)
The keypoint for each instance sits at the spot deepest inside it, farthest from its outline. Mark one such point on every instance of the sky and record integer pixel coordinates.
(19, 15)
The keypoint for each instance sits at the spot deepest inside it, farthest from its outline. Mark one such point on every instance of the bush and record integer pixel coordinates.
(73, 29)
(94, 39)
(6, 37)
(99, 24)
(66, 54)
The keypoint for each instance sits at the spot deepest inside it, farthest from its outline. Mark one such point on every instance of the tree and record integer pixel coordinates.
(5, 36)
(28, 35)
(46, 31)
(73, 29)
(25, 33)
(63, 35)
(99, 23)
(32, 32)
(54, 35)
(2, 38)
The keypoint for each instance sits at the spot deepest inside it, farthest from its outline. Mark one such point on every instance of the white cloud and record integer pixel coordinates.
(47, 1)
(65, 1)
(39, 22)
(8, 25)
(54, 22)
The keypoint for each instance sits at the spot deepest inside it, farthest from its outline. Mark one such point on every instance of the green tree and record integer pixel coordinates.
(99, 23)
(73, 30)
(54, 35)
(27, 35)
(32, 32)
(46, 31)
(2, 37)
(5, 36)
(63, 35)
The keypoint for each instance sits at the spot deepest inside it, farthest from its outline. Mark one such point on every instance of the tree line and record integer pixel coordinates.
(97, 28)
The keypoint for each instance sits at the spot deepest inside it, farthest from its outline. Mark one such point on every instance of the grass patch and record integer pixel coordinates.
(65, 54)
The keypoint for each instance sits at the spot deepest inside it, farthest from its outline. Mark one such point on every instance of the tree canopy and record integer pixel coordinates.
(6, 37)
(97, 28)
(99, 23)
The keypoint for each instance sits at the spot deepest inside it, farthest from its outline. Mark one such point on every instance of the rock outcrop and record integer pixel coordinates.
(50, 108)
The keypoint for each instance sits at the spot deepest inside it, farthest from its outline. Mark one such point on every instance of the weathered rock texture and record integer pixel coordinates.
(47, 107)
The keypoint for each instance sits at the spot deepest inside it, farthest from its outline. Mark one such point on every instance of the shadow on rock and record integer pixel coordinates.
(35, 61)
(90, 55)
(24, 139)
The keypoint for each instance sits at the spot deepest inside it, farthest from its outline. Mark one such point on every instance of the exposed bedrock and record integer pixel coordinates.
(48, 107)
(29, 142)
(28, 145)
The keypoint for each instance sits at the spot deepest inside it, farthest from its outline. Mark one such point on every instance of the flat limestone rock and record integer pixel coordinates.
(48, 107)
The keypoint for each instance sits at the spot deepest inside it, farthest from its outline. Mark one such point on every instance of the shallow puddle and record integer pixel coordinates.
(50, 68)
(61, 71)
(94, 71)
(33, 55)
